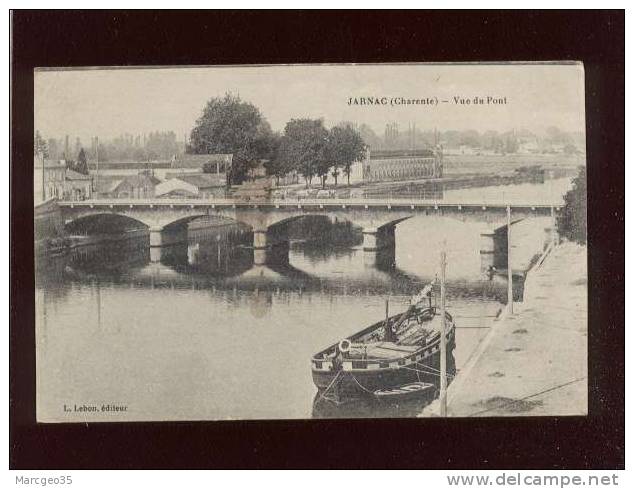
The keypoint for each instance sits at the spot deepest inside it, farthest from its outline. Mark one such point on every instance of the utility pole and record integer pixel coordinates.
(443, 335)
(43, 173)
(508, 258)
(97, 157)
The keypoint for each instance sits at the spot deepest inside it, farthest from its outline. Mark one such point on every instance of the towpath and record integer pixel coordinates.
(533, 362)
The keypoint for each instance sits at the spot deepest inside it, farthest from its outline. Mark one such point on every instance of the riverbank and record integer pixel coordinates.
(533, 362)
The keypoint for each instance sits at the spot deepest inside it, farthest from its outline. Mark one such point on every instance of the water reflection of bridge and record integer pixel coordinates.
(233, 270)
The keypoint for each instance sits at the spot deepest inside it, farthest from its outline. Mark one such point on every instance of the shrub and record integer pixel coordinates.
(572, 223)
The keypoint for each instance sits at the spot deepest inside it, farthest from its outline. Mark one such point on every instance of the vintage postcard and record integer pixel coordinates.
(310, 241)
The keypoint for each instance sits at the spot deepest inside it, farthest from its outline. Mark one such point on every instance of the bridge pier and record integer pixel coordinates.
(156, 236)
(166, 236)
(375, 239)
(487, 250)
(379, 247)
(384, 259)
(260, 239)
(269, 243)
(155, 254)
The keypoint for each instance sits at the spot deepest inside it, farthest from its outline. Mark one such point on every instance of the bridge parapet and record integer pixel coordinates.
(264, 214)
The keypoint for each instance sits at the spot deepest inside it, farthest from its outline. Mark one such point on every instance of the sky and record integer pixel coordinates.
(110, 102)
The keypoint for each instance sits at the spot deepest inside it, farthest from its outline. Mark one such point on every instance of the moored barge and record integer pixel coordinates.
(398, 350)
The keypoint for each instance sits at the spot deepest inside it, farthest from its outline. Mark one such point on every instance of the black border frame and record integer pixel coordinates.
(85, 38)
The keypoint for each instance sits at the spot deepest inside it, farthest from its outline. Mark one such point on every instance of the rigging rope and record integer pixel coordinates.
(323, 394)
(362, 387)
(430, 367)
(426, 372)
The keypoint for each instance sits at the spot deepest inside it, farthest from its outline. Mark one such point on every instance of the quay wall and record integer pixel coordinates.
(534, 361)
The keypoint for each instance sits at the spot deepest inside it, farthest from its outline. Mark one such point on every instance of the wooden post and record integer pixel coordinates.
(97, 174)
(387, 311)
(98, 306)
(508, 257)
(553, 226)
(387, 334)
(43, 173)
(443, 336)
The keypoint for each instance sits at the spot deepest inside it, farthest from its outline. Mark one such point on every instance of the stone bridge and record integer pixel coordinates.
(267, 219)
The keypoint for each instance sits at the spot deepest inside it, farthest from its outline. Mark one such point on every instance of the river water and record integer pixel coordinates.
(199, 332)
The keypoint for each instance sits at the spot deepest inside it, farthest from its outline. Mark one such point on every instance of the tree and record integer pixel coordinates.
(282, 160)
(53, 149)
(308, 148)
(492, 141)
(82, 165)
(103, 153)
(160, 144)
(556, 136)
(229, 125)
(345, 146)
(139, 154)
(470, 138)
(511, 145)
(40, 147)
(369, 136)
(572, 222)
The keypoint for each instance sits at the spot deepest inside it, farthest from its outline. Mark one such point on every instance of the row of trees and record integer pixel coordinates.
(156, 145)
(503, 142)
(306, 146)
(153, 146)
(310, 149)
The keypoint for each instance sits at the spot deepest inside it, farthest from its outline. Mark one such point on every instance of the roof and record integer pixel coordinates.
(136, 181)
(106, 183)
(401, 153)
(174, 185)
(141, 179)
(197, 161)
(129, 164)
(74, 175)
(180, 172)
(203, 180)
(48, 163)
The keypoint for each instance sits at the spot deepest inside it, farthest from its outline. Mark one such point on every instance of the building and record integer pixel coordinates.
(175, 188)
(129, 187)
(215, 163)
(60, 182)
(390, 165)
(192, 185)
(50, 182)
(78, 186)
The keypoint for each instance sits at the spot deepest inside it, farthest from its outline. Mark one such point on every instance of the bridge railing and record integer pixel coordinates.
(329, 202)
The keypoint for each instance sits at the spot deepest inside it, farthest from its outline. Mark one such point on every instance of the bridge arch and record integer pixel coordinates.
(94, 223)
(182, 221)
(282, 221)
